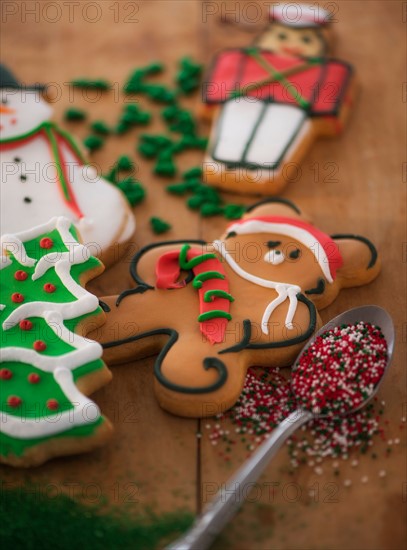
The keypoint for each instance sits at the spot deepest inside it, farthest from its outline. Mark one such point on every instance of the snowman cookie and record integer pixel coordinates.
(212, 310)
(47, 366)
(43, 174)
(270, 101)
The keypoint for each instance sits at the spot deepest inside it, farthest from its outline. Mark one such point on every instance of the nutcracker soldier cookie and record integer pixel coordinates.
(211, 311)
(47, 366)
(43, 174)
(269, 102)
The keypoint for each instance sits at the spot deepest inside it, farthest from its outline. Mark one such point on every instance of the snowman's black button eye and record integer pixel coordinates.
(306, 39)
(282, 36)
(277, 252)
(27, 199)
(17, 159)
(23, 177)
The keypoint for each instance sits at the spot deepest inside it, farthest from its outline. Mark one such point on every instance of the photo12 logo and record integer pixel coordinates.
(251, 13)
(72, 12)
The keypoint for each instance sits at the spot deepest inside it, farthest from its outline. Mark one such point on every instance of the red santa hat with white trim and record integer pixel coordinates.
(292, 14)
(324, 248)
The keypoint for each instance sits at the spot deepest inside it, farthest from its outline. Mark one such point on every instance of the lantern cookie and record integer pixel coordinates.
(43, 174)
(214, 310)
(272, 100)
(46, 365)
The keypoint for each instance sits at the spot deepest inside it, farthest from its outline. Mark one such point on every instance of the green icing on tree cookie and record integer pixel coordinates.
(42, 303)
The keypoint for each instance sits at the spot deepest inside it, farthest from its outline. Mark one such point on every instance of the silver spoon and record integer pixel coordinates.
(226, 502)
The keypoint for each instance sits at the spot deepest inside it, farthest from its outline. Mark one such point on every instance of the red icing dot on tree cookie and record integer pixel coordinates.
(46, 242)
(5, 374)
(20, 275)
(34, 378)
(52, 404)
(14, 401)
(25, 324)
(17, 298)
(39, 345)
(49, 287)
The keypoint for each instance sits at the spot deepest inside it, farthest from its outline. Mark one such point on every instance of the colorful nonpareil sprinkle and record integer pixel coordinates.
(341, 369)
(268, 398)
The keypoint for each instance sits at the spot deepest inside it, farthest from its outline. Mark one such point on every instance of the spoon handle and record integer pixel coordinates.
(228, 500)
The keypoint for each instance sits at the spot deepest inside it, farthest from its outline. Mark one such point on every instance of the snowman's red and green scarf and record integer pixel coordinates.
(209, 279)
(41, 357)
(55, 138)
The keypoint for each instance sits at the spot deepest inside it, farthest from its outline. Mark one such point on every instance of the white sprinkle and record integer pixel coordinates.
(335, 464)
(354, 463)
(347, 482)
(364, 479)
(199, 435)
(382, 473)
(318, 470)
(396, 441)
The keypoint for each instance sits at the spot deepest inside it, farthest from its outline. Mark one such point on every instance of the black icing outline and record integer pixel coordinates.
(104, 306)
(319, 289)
(142, 286)
(245, 341)
(208, 362)
(369, 244)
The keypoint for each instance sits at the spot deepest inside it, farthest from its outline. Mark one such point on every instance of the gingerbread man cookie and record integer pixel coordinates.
(272, 100)
(213, 310)
(47, 366)
(44, 174)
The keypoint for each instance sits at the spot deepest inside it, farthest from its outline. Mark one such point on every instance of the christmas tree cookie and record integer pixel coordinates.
(47, 366)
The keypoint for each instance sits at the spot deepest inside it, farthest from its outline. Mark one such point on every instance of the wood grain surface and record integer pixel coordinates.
(154, 456)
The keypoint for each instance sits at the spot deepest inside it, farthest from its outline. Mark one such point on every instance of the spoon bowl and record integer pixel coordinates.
(374, 315)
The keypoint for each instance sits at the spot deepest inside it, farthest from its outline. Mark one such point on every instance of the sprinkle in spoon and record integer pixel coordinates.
(228, 500)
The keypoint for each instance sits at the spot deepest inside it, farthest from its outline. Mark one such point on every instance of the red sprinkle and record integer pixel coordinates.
(34, 378)
(20, 275)
(52, 404)
(14, 401)
(25, 324)
(17, 298)
(46, 242)
(49, 287)
(39, 345)
(6, 374)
